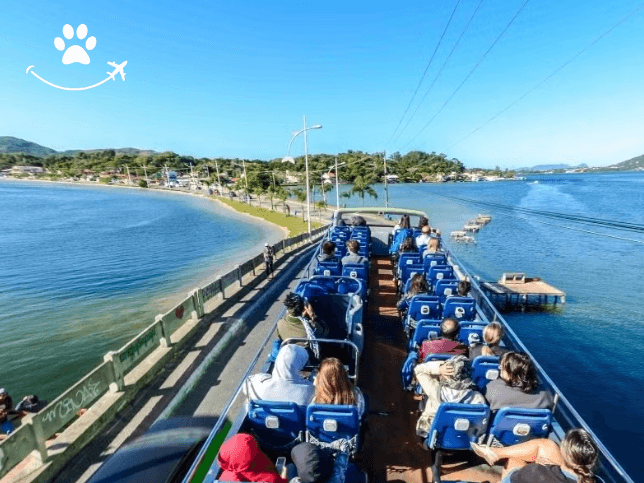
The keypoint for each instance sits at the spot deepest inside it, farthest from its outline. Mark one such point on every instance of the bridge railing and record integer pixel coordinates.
(108, 376)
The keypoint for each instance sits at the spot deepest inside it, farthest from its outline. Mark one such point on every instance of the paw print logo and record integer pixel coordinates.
(75, 53)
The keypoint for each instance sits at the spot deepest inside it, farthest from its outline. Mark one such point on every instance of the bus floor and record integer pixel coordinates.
(391, 449)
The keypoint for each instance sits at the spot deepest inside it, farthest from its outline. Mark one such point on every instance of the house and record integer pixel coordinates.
(27, 170)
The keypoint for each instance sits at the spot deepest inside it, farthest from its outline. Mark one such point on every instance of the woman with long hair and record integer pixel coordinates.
(517, 385)
(332, 386)
(492, 335)
(544, 461)
(417, 286)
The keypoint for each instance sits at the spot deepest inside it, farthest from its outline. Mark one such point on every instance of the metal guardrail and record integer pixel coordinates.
(110, 374)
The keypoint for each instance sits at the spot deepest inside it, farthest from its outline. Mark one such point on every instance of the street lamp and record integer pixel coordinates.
(289, 159)
(337, 189)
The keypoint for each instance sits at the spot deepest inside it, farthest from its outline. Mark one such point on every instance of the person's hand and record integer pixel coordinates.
(308, 310)
(447, 371)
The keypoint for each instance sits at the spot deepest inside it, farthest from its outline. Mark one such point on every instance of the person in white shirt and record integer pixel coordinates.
(423, 238)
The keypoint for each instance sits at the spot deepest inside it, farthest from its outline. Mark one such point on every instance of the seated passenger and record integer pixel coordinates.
(352, 253)
(300, 322)
(407, 245)
(544, 461)
(464, 287)
(241, 459)
(328, 252)
(6, 405)
(448, 342)
(444, 381)
(402, 223)
(425, 236)
(517, 385)
(433, 246)
(492, 335)
(422, 222)
(332, 386)
(417, 286)
(285, 383)
(358, 220)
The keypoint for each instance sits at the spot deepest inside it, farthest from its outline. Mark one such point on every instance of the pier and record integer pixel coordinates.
(515, 291)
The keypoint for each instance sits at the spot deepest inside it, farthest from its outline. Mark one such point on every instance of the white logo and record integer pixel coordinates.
(77, 54)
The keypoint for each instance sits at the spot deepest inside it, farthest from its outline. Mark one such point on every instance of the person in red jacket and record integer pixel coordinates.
(448, 342)
(241, 459)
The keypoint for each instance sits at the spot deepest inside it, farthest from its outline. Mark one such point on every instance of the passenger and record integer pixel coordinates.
(425, 236)
(464, 287)
(358, 220)
(402, 223)
(300, 322)
(407, 245)
(517, 385)
(433, 246)
(544, 461)
(448, 343)
(492, 335)
(285, 383)
(444, 381)
(352, 253)
(328, 252)
(6, 406)
(241, 459)
(332, 386)
(417, 286)
(422, 222)
(400, 232)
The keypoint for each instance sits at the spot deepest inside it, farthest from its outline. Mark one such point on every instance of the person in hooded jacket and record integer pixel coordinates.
(241, 459)
(285, 383)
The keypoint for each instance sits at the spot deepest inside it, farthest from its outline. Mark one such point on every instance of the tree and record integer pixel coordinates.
(325, 188)
(361, 187)
(300, 195)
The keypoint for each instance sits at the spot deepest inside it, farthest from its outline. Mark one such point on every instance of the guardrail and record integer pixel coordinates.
(109, 376)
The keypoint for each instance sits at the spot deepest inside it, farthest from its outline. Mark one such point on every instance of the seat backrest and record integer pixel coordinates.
(424, 328)
(461, 308)
(314, 288)
(456, 425)
(276, 424)
(434, 259)
(328, 268)
(440, 272)
(408, 258)
(424, 307)
(421, 248)
(437, 357)
(484, 370)
(471, 331)
(356, 270)
(445, 288)
(330, 422)
(407, 270)
(516, 425)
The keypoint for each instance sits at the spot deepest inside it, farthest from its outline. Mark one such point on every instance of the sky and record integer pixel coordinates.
(235, 79)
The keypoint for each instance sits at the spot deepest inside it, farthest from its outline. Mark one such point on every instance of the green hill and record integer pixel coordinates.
(9, 144)
(630, 164)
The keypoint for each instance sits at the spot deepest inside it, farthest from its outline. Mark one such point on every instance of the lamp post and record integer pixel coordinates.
(287, 158)
(337, 189)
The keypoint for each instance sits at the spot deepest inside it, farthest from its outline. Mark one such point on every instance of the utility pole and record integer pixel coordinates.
(337, 189)
(192, 175)
(128, 174)
(384, 158)
(146, 175)
(246, 179)
(167, 176)
(218, 178)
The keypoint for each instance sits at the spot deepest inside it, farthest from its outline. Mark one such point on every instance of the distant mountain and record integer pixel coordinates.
(550, 167)
(630, 164)
(9, 144)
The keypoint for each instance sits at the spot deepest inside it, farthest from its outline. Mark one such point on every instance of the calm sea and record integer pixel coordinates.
(84, 269)
(593, 348)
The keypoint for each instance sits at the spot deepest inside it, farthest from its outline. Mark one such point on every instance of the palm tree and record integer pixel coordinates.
(361, 187)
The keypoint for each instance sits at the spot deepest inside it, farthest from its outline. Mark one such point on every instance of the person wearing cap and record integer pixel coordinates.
(268, 259)
(425, 235)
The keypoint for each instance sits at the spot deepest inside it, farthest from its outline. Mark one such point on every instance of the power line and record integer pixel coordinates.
(552, 74)
(471, 71)
(425, 72)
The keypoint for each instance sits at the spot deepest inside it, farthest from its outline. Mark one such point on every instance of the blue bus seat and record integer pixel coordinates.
(398, 239)
(407, 370)
(356, 270)
(434, 259)
(438, 357)
(421, 249)
(424, 328)
(440, 272)
(406, 272)
(456, 425)
(328, 268)
(277, 424)
(361, 229)
(445, 288)
(516, 425)
(329, 422)
(471, 331)
(484, 370)
(461, 308)
(363, 251)
(424, 307)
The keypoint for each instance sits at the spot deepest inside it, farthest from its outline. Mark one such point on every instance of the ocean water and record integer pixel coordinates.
(593, 348)
(84, 269)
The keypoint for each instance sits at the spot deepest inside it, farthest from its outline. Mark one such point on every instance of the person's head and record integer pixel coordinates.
(358, 221)
(294, 304)
(418, 284)
(408, 245)
(580, 454)
(404, 222)
(433, 245)
(241, 458)
(332, 384)
(422, 222)
(6, 404)
(426, 230)
(328, 248)
(462, 373)
(450, 328)
(517, 370)
(464, 287)
(492, 335)
(353, 246)
(290, 360)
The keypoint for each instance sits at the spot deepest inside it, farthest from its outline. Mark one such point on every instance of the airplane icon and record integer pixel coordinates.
(118, 69)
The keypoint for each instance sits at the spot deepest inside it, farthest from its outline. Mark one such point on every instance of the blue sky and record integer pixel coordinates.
(223, 79)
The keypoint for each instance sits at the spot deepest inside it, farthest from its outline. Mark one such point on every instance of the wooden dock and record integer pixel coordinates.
(515, 291)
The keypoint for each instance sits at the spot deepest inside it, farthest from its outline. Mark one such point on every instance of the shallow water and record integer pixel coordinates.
(84, 269)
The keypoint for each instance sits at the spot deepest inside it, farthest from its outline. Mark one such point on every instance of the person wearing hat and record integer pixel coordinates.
(268, 259)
